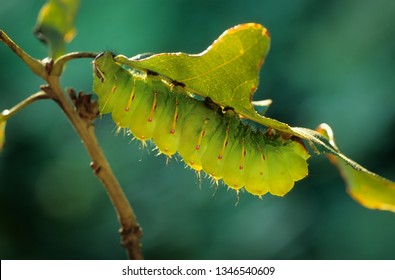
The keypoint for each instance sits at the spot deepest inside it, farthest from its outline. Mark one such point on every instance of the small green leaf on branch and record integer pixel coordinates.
(55, 25)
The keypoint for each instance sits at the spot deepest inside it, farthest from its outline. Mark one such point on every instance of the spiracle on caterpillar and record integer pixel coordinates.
(208, 137)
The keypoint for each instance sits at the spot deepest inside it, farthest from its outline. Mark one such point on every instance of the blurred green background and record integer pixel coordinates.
(330, 61)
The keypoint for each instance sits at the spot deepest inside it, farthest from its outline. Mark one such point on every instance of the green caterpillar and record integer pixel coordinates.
(207, 136)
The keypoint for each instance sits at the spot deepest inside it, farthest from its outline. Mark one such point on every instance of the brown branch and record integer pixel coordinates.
(61, 61)
(50, 71)
(130, 230)
(34, 64)
(8, 113)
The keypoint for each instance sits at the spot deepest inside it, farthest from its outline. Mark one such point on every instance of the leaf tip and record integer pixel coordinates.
(2, 134)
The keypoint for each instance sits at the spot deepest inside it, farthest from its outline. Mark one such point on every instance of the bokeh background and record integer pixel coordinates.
(330, 61)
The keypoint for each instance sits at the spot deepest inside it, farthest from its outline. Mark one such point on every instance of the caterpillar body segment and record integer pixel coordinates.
(256, 180)
(206, 136)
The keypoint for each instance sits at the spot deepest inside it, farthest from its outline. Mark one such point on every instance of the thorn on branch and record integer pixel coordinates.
(87, 109)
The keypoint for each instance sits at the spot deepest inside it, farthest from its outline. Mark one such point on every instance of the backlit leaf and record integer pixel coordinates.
(227, 71)
(55, 24)
(369, 189)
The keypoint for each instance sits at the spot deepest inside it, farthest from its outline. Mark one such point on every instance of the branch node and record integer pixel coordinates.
(48, 64)
(46, 89)
(95, 167)
(130, 240)
(87, 109)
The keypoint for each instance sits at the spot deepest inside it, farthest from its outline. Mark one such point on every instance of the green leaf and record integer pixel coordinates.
(2, 133)
(55, 25)
(227, 71)
(367, 188)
